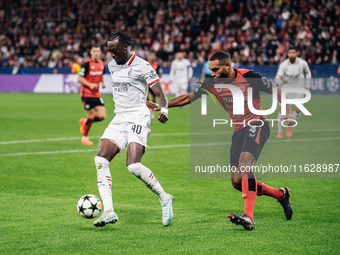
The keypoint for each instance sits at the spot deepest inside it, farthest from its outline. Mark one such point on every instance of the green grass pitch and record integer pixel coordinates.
(42, 180)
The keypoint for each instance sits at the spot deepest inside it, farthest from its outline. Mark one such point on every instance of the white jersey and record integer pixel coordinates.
(130, 84)
(180, 71)
(294, 74)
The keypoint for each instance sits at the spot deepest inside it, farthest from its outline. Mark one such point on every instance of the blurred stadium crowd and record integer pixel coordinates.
(57, 33)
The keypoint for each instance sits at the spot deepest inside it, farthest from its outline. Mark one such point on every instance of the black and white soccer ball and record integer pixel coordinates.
(89, 206)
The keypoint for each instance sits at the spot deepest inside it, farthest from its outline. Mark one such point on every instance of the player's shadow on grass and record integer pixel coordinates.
(109, 227)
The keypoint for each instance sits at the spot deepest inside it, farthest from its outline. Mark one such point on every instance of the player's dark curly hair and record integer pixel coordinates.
(221, 56)
(122, 37)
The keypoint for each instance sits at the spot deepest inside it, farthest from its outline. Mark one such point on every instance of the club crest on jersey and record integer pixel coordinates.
(130, 73)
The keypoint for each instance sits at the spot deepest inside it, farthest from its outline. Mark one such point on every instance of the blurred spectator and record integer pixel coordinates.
(51, 33)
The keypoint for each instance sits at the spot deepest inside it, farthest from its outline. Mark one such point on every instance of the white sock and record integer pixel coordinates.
(296, 114)
(104, 182)
(279, 126)
(149, 179)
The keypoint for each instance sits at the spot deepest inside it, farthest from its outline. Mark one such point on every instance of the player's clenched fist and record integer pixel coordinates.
(163, 116)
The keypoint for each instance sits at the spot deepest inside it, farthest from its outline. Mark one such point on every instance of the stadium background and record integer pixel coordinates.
(50, 36)
(44, 170)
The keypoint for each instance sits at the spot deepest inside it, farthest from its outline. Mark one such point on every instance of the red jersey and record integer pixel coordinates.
(243, 79)
(155, 65)
(92, 72)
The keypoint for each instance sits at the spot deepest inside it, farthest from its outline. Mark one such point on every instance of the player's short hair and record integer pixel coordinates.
(221, 56)
(96, 46)
(292, 48)
(121, 37)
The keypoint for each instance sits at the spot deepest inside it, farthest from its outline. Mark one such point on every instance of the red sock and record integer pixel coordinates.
(263, 189)
(249, 190)
(87, 126)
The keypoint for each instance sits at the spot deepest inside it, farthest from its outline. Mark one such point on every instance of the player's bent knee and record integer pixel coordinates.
(135, 169)
(237, 183)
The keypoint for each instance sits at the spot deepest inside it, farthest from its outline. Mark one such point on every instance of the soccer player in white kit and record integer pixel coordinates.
(131, 77)
(180, 74)
(294, 72)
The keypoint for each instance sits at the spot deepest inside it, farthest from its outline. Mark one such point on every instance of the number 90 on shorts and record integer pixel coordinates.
(124, 133)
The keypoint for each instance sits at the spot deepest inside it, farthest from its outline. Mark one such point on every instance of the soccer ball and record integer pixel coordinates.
(89, 206)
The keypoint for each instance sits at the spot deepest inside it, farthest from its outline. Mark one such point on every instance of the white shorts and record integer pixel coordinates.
(181, 87)
(123, 130)
(295, 95)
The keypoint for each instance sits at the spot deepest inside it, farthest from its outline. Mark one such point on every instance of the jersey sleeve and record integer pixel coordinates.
(84, 69)
(203, 88)
(258, 81)
(279, 72)
(279, 75)
(149, 75)
(190, 71)
(308, 74)
(172, 69)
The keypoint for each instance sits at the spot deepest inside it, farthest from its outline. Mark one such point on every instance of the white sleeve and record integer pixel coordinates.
(190, 71)
(149, 75)
(308, 74)
(172, 70)
(279, 75)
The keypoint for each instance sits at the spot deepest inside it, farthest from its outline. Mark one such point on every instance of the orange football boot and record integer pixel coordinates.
(279, 135)
(289, 132)
(86, 141)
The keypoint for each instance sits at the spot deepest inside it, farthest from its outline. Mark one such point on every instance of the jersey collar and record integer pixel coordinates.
(131, 59)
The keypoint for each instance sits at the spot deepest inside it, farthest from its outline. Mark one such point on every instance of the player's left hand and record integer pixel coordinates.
(103, 85)
(162, 117)
(152, 106)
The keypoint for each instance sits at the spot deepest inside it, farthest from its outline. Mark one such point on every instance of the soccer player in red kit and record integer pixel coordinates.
(247, 141)
(90, 76)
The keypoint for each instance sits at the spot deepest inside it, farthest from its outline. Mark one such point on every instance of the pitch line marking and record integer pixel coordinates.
(155, 134)
(173, 146)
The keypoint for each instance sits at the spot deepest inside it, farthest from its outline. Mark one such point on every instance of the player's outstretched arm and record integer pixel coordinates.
(183, 99)
(177, 101)
(163, 102)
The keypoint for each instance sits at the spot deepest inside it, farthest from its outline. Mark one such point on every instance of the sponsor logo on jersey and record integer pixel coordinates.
(121, 86)
(96, 73)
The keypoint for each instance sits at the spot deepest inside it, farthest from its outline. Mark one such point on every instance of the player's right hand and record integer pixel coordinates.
(93, 85)
(289, 117)
(162, 117)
